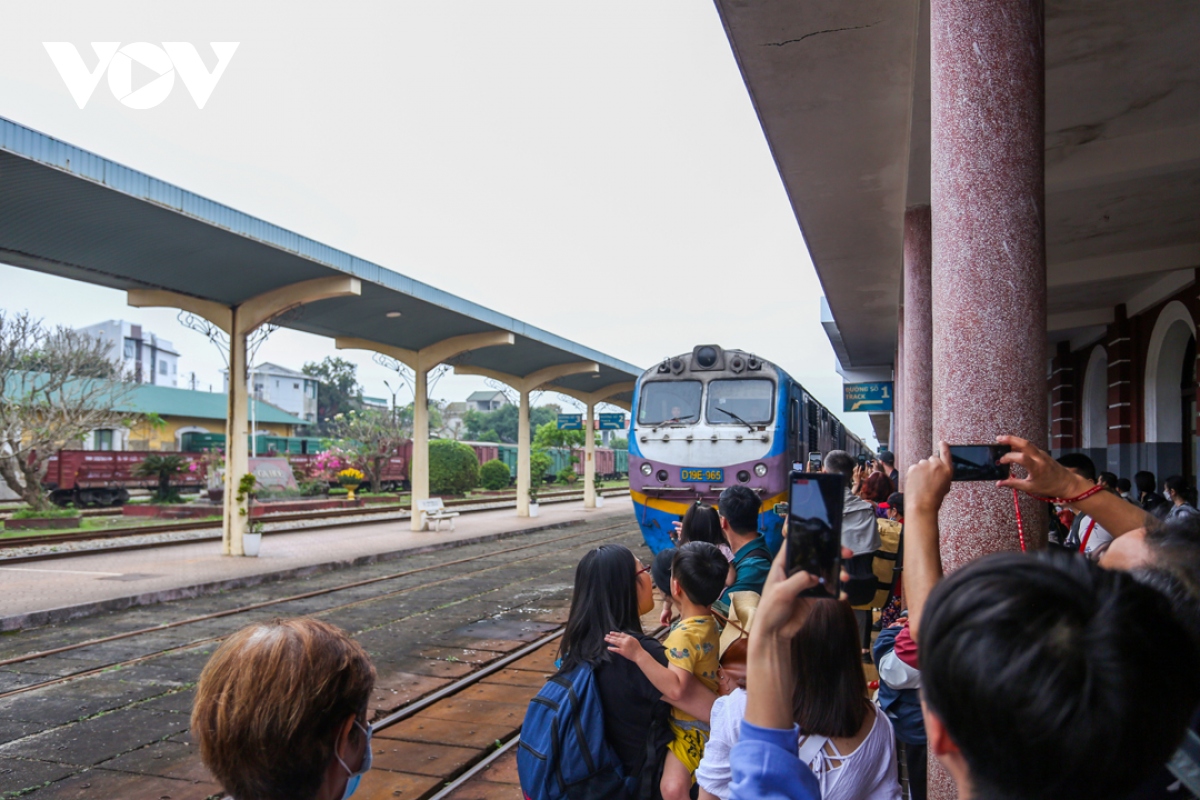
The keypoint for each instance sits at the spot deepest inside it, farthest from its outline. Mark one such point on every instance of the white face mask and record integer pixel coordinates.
(356, 777)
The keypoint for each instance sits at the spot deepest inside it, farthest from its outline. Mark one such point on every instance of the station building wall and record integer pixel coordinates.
(1127, 398)
(166, 437)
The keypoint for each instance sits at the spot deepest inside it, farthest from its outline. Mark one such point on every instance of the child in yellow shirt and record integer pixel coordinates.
(698, 573)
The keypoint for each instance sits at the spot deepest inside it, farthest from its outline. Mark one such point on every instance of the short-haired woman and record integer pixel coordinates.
(845, 739)
(281, 712)
(613, 589)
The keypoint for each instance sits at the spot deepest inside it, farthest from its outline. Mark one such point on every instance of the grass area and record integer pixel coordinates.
(102, 524)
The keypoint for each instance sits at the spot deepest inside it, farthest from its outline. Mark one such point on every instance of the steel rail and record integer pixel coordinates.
(277, 601)
(385, 514)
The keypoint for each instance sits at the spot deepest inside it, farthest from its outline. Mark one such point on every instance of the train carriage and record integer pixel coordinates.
(713, 418)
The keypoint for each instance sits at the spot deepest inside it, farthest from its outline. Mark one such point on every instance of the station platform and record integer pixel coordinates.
(68, 588)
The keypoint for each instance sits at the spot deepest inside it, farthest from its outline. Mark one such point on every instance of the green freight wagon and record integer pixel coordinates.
(622, 461)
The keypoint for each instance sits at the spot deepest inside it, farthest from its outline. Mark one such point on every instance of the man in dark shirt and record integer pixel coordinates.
(887, 460)
(739, 507)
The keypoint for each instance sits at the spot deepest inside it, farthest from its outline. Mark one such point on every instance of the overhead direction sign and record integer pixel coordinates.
(875, 397)
(612, 422)
(570, 422)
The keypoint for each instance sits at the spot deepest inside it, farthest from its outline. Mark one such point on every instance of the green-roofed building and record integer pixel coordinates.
(183, 411)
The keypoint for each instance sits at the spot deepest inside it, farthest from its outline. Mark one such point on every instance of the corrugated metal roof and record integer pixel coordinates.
(69, 212)
(167, 401)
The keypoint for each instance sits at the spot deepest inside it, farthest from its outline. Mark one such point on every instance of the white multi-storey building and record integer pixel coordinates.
(287, 389)
(148, 358)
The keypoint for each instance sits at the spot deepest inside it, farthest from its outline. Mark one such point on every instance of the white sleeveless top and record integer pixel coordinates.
(866, 773)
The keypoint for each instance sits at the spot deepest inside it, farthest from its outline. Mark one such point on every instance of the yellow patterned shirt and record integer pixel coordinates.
(694, 644)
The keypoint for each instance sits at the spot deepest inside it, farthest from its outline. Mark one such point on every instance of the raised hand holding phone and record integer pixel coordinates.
(814, 528)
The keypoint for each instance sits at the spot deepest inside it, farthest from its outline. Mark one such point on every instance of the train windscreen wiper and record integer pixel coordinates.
(735, 417)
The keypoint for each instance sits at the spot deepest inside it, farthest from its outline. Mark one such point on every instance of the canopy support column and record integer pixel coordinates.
(420, 362)
(590, 400)
(589, 457)
(238, 322)
(524, 385)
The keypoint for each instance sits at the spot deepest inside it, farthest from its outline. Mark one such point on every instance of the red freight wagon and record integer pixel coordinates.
(606, 462)
(486, 452)
(104, 477)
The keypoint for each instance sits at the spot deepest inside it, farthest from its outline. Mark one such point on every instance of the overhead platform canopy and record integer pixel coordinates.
(68, 212)
(842, 91)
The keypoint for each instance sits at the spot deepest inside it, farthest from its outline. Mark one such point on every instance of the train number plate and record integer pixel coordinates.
(706, 475)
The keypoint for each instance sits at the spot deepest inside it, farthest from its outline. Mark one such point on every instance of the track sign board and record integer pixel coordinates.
(273, 473)
(570, 422)
(612, 422)
(873, 397)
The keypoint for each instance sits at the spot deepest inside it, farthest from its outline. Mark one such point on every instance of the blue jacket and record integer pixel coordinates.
(903, 706)
(766, 766)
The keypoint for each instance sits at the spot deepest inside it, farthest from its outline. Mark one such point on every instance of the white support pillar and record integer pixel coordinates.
(420, 362)
(237, 457)
(524, 385)
(524, 453)
(418, 472)
(589, 455)
(238, 322)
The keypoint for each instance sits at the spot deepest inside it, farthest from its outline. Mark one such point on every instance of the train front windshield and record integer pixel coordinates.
(740, 401)
(669, 401)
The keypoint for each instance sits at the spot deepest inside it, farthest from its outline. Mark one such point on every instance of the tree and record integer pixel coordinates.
(618, 443)
(163, 467)
(494, 475)
(453, 467)
(338, 391)
(404, 418)
(504, 422)
(548, 435)
(56, 386)
(369, 438)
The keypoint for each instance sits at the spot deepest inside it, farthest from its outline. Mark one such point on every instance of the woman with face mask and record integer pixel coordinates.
(281, 712)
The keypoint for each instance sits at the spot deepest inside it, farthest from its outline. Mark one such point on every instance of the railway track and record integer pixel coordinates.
(427, 744)
(320, 519)
(27, 658)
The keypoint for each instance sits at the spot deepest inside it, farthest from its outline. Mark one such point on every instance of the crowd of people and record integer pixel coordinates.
(1068, 672)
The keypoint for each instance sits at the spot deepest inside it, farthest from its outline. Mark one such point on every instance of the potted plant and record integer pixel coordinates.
(212, 462)
(533, 499)
(252, 539)
(599, 497)
(350, 479)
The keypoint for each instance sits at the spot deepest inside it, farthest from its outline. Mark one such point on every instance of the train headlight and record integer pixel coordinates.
(760, 470)
(646, 468)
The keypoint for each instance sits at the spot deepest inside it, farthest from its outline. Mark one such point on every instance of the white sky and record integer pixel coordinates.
(595, 169)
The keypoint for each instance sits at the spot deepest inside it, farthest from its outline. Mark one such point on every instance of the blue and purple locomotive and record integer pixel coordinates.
(712, 418)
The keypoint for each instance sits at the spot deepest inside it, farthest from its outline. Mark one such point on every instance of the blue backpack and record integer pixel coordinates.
(563, 754)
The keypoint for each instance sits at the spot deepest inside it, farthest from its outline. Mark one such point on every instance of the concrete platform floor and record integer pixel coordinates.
(61, 589)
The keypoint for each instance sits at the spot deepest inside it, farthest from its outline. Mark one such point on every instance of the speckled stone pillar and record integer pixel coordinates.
(917, 361)
(898, 395)
(989, 264)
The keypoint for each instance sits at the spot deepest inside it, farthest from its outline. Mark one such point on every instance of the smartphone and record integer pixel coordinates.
(814, 537)
(978, 462)
(815, 462)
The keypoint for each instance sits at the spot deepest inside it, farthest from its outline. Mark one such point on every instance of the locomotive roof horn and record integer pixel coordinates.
(706, 357)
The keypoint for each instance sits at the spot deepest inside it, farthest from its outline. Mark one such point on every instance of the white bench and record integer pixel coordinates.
(433, 510)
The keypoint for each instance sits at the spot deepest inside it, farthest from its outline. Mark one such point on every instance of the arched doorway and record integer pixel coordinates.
(1170, 394)
(1094, 424)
